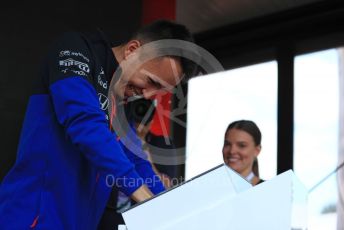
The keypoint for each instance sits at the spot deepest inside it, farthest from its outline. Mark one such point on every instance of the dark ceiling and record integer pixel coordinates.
(202, 15)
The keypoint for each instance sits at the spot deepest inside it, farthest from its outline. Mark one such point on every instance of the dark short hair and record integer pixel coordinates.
(248, 126)
(165, 29)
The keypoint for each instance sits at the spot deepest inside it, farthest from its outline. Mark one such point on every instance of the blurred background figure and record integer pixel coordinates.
(241, 147)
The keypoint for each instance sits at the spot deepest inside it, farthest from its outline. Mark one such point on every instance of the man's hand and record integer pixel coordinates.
(166, 180)
(141, 194)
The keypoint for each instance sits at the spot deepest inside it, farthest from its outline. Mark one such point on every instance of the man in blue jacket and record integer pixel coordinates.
(67, 149)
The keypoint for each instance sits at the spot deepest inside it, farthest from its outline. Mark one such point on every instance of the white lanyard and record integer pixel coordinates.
(250, 177)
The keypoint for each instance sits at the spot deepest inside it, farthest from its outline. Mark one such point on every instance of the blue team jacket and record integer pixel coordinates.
(66, 150)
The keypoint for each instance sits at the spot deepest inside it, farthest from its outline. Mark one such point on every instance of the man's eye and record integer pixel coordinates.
(156, 84)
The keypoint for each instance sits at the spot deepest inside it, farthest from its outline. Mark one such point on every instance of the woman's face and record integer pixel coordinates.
(239, 151)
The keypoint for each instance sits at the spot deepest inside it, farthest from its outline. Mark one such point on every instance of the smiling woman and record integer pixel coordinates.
(241, 148)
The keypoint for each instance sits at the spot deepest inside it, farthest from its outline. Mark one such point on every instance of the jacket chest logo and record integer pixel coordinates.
(103, 101)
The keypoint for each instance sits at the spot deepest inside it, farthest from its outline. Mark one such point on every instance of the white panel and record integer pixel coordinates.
(276, 204)
(181, 203)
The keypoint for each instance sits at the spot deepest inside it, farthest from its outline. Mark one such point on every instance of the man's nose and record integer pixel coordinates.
(149, 93)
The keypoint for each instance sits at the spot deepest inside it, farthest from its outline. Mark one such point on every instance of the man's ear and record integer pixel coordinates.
(130, 48)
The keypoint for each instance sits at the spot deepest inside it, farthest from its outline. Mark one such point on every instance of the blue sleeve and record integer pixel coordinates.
(78, 110)
(132, 146)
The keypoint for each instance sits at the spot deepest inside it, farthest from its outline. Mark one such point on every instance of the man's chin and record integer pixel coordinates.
(119, 92)
(125, 96)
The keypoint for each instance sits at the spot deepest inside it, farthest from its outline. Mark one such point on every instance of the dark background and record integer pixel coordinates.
(27, 28)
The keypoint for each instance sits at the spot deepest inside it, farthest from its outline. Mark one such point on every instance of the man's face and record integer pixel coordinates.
(152, 77)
